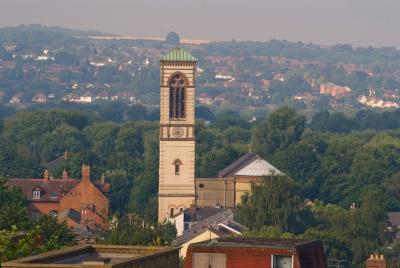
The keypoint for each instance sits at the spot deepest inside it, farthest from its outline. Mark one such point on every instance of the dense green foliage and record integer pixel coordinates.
(131, 230)
(274, 210)
(324, 162)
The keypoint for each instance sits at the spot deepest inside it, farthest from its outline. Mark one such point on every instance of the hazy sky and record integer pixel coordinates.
(359, 22)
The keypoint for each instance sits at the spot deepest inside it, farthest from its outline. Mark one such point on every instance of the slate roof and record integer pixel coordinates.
(281, 243)
(178, 54)
(237, 165)
(71, 214)
(249, 164)
(199, 214)
(212, 223)
(59, 160)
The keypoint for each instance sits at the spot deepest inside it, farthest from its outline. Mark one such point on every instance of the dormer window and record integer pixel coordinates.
(36, 194)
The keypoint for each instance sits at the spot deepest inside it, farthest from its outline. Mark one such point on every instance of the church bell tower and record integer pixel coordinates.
(177, 141)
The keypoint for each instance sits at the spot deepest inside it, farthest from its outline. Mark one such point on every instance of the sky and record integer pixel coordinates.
(323, 22)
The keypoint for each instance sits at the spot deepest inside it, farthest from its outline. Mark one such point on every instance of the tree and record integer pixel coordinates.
(132, 230)
(282, 128)
(335, 122)
(53, 234)
(13, 210)
(4, 54)
(172, 38)
(274, 202)
(137, 112)
(121, 185)
(15, 244)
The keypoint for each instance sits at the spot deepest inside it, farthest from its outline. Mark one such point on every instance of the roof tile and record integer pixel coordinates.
(178, 54)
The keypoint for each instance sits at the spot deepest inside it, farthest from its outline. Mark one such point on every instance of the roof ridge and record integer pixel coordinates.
(242, 161)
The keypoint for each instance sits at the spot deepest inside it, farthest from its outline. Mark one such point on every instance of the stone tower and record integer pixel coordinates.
(177, 141)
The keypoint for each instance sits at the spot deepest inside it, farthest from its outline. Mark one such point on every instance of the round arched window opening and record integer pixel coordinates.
(177, 163)
(201, 185)
(177, 96)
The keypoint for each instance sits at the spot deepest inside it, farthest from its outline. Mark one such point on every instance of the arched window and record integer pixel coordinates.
(177, 97)
(177, 163)
(171, 213)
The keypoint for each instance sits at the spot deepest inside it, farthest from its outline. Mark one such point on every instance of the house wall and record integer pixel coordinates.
(179, 223)
(243, 257)
(207, 235)
(43, 207)
(209, 192)
(227, 192)
(85, 193)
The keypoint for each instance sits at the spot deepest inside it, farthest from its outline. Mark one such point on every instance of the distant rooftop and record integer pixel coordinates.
(178, 54)
(83, 256)
(257, 242)
(249, 164)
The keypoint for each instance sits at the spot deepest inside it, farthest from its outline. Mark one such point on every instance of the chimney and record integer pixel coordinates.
(376, 261)
(66, 154)
(65, 174)
(102, 178)
(85, 173)
(46, 175)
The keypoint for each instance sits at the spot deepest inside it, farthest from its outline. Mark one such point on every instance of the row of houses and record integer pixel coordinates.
(90, 97)
(87, 97)
(37, 98)
(375, 102)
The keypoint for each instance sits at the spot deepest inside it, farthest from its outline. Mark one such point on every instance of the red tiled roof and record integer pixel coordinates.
(52, 190)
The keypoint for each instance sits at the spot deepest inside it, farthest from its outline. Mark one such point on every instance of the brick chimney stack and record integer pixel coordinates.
(65, 175)
(376, 261)
(85, 173)
(46, 175)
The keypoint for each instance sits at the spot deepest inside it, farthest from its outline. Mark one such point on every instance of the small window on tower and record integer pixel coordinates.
(177, 163)
(171, 213)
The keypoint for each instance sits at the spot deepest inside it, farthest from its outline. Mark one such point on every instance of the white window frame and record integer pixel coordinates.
(53, 213)
(281, 255)
(36, 194)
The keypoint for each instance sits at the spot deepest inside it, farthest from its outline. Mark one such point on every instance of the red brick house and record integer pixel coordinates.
(376, 261)
(80, 203)
(256, 252)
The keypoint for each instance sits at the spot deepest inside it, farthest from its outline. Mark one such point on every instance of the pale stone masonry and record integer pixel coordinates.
(177, 141)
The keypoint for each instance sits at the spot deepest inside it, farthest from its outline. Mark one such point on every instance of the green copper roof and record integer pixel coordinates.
(178, 54)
